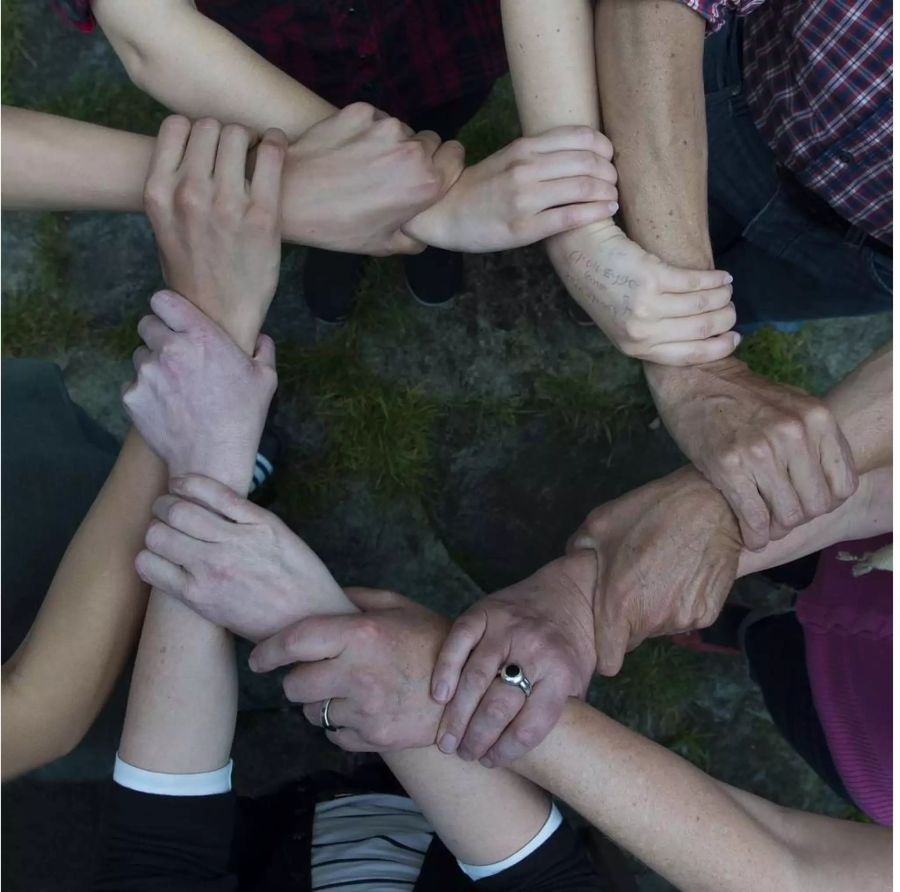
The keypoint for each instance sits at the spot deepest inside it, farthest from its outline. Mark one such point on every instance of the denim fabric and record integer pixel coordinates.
(786, 265)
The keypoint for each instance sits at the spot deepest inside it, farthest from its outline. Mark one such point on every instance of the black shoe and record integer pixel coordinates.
(435, 276)
(330, 280)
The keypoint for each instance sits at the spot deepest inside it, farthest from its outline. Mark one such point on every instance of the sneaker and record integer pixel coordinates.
(435, 276)
(330, 280)
(268, 456)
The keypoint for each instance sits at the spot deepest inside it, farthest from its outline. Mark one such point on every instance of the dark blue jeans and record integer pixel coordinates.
(786, 265)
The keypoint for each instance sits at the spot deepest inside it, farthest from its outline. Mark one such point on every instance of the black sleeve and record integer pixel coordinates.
(561, 864)
(171, 843)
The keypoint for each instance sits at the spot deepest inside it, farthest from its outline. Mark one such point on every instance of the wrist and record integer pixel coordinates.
(594, 235)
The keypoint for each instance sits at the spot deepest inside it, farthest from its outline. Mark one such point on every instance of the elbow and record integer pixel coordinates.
(139, 66)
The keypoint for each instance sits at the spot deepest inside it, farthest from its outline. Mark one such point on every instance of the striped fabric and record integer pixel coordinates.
(818, 77)
(367, 843)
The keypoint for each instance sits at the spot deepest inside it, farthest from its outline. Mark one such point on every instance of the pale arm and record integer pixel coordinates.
(61, 675)
(182, 58)
(698, 833)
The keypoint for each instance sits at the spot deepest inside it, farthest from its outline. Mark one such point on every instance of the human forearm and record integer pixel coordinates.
(57, 681)
(551, 60)
(182, 58)
(697, 833)
(649, 59)
(55, 163)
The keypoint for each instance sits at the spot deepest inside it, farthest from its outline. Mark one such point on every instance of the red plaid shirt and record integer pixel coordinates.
(818, 77)
(403, 56)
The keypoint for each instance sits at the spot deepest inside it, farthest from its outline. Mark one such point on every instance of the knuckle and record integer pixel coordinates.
(478, 677)
(818, 415)
(192, 197)
(527, 737)
(792, 430)
(498, 712)
(262, 219)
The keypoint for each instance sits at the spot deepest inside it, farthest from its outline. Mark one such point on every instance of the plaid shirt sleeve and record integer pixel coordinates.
(75, 12)
(716, 11)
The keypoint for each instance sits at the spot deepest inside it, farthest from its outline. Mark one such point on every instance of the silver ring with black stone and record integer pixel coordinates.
(513, 675)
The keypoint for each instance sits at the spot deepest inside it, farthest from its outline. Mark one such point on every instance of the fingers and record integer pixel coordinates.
(499, 706)
(314, 638)
(678, 281)
(562, 164)
(218, 497)
(346, 738)
(200, 155)
(171, 544)
(449, 161)
(572, 137)
(700, 327)
(265, 187)
(171, 142)
(694, 303)
(533, 723)
(191, 519)
(430, 141)
(231, 159)
(750, 508)
(480, 671)
(401, 243)
(161, 574)
(339, 712)
(572, 190)
(810, 486)
(612, 644)
(573, 216)
(265, 351)
(140, 358)
(315, 681)
(153, 332)
(177, 312)
(368, 599)
(838, 465)
(775, 486)
(682, 353)
(467, 631)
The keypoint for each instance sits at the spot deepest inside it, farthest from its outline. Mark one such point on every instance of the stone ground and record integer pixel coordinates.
(441, 452)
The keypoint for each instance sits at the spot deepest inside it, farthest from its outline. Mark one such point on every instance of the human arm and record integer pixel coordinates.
(181, 57)
(666, 555)
(775, 454)
(695, 831)
(648, 309)
(57, 681)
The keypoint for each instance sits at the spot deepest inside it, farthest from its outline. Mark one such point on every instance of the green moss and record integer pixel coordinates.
(37, 324)
(778, 355)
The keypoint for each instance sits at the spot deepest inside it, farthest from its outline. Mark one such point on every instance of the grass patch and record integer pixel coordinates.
(35, 324)
(777, 355)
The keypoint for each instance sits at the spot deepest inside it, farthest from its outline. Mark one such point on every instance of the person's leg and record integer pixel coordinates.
(786, 265)
(776, 654)
(55, 460)
(436, 276)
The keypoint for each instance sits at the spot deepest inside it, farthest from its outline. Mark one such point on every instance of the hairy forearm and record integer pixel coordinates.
(551, 60)
(696, 832)
(58, 680)
(650, 69)
(54, 163)
(183, 58)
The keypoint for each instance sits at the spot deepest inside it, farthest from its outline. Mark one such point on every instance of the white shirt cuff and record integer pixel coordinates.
(481, 871)
(206, 783)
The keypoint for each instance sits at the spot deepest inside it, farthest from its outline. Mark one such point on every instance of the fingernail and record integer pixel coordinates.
(737, 339)
(613, 206)
(253, 663)
(447, 744)
(728, 278)
(487, 763)
(442, 692)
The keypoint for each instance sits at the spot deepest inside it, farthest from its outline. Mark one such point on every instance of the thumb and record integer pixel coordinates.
(450, 161)
(367, 599)
(265, 351)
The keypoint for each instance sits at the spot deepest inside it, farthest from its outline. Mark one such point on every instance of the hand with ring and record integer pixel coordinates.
(363, 677)
(536, 636)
